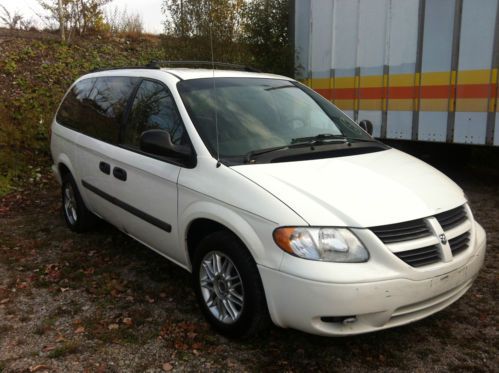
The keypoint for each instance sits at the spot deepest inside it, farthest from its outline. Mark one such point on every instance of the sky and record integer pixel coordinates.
(150, 10)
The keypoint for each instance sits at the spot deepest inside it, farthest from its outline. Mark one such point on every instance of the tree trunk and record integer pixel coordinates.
(61, 22)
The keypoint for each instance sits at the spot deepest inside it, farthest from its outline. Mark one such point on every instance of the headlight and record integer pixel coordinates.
(324, 244)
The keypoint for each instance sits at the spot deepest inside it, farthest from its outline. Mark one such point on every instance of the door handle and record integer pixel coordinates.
(119, 173)
(105, 167)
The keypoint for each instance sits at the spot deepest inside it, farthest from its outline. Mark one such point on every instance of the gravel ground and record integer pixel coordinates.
(101, 302)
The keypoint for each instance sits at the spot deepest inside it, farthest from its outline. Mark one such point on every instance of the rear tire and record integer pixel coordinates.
(228, 286)
(77, 216)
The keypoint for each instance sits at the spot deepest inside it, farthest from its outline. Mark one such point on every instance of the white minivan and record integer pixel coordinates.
(282, 207)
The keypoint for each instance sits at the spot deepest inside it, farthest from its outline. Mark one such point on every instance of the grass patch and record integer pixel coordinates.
(67, 348)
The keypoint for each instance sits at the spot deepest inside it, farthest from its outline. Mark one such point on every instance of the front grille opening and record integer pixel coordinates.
(452, 218)
(406, 231)
(421, 256)
(339, 319)
(460, 243)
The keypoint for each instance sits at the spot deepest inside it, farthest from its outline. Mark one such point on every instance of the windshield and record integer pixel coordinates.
(255, 113)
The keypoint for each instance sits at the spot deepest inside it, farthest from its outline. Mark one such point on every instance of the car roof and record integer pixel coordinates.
(187, 73)
(184, 73)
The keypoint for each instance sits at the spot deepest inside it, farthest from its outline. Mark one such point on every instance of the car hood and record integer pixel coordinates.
(358, 191)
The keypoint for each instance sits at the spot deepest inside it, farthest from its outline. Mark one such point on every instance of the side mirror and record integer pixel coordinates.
(159, 142)
(367, 126)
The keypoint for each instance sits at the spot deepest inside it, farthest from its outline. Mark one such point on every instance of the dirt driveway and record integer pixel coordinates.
(100, 302)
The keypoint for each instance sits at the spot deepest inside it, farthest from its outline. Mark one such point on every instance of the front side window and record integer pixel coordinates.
(251, 114)
(153, 108)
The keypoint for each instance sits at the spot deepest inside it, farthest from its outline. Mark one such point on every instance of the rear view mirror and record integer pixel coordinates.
(367, 126)
(159, 142)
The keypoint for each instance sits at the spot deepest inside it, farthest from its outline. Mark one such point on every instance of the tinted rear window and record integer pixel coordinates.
(72, 111)
(96, 107)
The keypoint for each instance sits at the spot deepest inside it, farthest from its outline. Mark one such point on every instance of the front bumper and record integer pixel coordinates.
(304, 304)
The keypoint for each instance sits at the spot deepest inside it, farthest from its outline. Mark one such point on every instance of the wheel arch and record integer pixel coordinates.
(204, 218)
(64, 166)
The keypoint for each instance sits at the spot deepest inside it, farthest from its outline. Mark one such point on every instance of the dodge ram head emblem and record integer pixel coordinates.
(443, 239)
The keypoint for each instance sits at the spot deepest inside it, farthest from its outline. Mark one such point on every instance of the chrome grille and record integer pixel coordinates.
(409, 230)
(459, 243)
(416, 242)
(452, 218)
(420, 257)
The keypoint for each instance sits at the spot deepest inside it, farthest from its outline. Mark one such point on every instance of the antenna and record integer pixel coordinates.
(214, 88)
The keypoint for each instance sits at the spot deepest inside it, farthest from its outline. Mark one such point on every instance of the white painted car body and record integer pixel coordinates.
(358, 192)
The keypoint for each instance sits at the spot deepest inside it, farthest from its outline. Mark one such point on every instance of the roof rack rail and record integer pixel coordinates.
(99, 69)
(156, 64)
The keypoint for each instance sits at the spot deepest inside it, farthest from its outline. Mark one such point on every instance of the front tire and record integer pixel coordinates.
(78, 218)
(228, 286)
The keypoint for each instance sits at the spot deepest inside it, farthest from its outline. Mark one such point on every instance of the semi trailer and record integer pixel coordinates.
(419, 70)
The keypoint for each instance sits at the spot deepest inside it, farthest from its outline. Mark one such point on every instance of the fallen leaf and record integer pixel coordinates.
(37, 368)
(60, 338)
(115, 284)
(179, 345)
(80, 330)
(48, 348)
(113, 326)
(167, 367)
(197, 346)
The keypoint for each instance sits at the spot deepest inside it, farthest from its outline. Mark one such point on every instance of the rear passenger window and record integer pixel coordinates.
(153, 108)
(95, 107)
(72, 111)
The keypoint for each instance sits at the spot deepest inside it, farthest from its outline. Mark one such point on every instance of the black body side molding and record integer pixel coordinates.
(125, 206)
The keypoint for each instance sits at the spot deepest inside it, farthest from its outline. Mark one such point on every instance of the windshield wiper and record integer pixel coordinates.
(295, 143)
(319, 139)
(249, 155)
(326, 138)
(280, 87)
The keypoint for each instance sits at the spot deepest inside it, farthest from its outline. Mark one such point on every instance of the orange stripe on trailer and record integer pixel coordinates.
(325, 92)
(372, 93)
(344, 93)
(402, 92)
(474, 90)
(428, 91)
(436, 91)
(493, 96)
